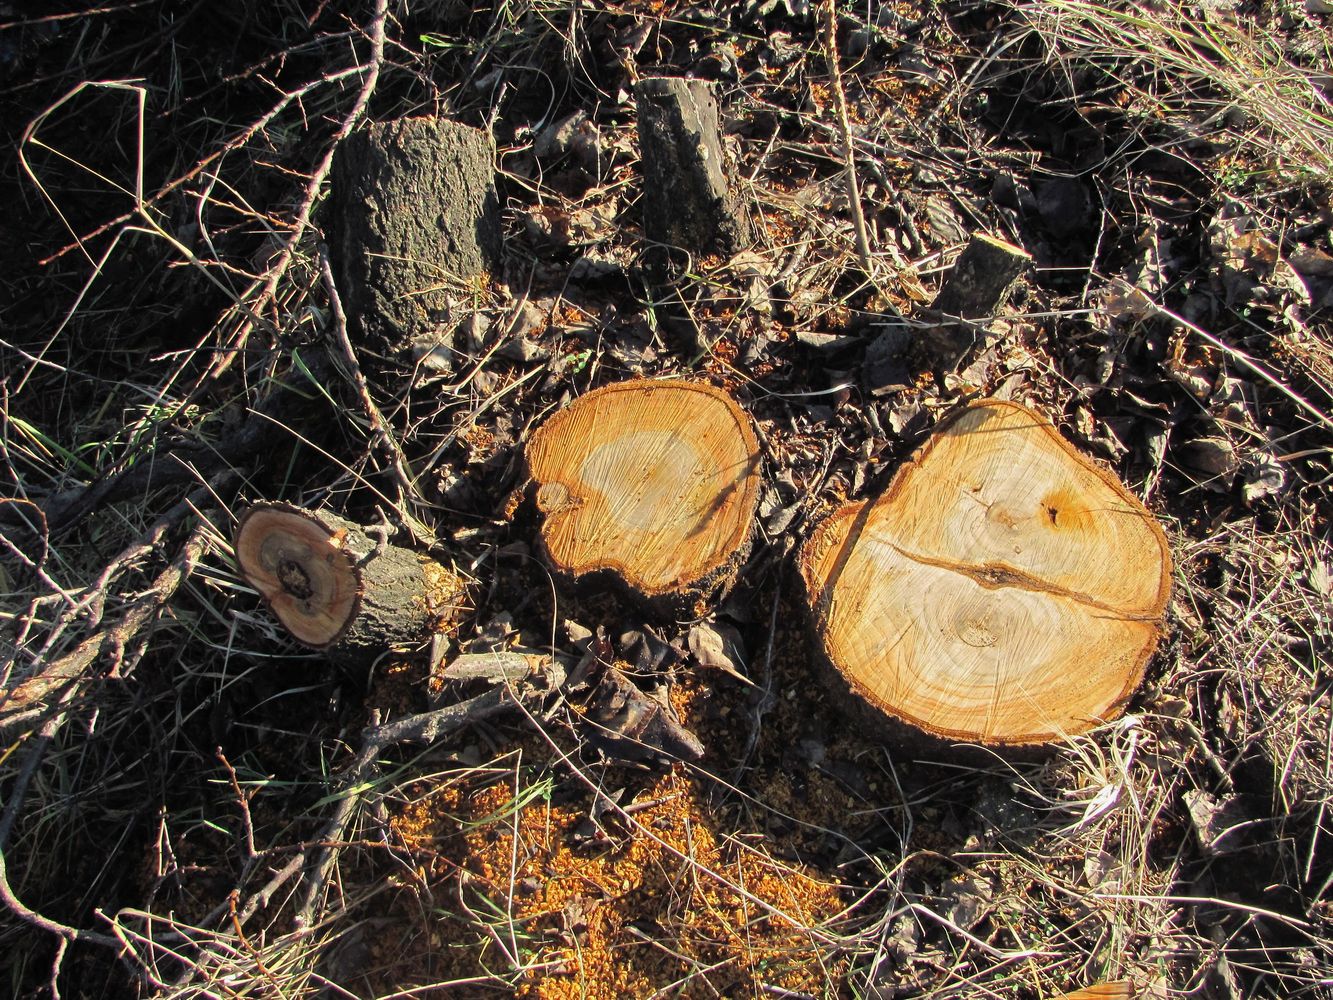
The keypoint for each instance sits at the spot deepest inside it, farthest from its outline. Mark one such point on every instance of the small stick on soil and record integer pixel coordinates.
(425, 728)
(242, 803)
(766, 698)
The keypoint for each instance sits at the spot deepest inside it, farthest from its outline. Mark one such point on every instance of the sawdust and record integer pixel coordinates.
(618, 893)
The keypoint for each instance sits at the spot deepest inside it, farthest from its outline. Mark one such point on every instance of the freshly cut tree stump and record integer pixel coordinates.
(336, 587)
(654, 483)
(414, 217)
(688, 201)
(1003, 590)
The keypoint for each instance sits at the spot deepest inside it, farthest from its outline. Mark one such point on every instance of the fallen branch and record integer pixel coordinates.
(21, 702)
(57, 683)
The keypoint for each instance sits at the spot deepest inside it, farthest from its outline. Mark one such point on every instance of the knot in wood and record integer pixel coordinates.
(552, 497)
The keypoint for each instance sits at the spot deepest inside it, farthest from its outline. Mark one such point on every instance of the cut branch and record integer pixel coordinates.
(335, 586)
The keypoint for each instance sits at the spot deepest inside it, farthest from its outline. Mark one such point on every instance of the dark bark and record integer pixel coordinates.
(689, 204)
(628, 724)
(415, 217)
(976, 288)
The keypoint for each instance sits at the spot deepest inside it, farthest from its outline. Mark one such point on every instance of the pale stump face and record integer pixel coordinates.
(1003, 589)
(654, 481)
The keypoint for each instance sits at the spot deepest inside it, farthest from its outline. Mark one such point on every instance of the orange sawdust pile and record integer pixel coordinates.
(625, 907)
(537, 882)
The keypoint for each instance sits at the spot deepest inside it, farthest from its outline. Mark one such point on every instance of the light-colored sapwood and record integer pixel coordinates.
(1003, 590)
(655, 483)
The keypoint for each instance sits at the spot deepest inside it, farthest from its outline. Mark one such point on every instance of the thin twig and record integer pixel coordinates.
(234, 143)
(242, 802)
(18, 791)
(379, 427)
(31, 916)
(848, 151)
(426, 728)
(301, 221)
(766, 699)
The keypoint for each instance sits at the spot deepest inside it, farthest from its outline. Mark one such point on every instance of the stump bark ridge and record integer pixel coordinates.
(336, 587)
(1004, 590)
(655, 483)
(414, 217)
(689, 202)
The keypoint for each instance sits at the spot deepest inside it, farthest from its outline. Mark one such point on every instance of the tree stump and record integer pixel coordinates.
(1003, 590)
(653, 483)
(689, 204)
(414, 217)
(980, 281)
(334, 586)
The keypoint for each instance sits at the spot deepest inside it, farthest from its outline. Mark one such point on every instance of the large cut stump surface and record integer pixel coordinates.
(653, 482)
(1004, 590)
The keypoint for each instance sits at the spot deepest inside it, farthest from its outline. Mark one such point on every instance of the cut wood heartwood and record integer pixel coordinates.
(335, 586)
(654, 483)
(1003, 590)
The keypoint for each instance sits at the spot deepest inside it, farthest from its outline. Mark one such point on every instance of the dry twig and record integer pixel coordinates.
(848, 149)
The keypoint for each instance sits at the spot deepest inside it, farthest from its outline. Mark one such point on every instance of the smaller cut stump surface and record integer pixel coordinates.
(336, 587)
(655, 483)
(1003, 590)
